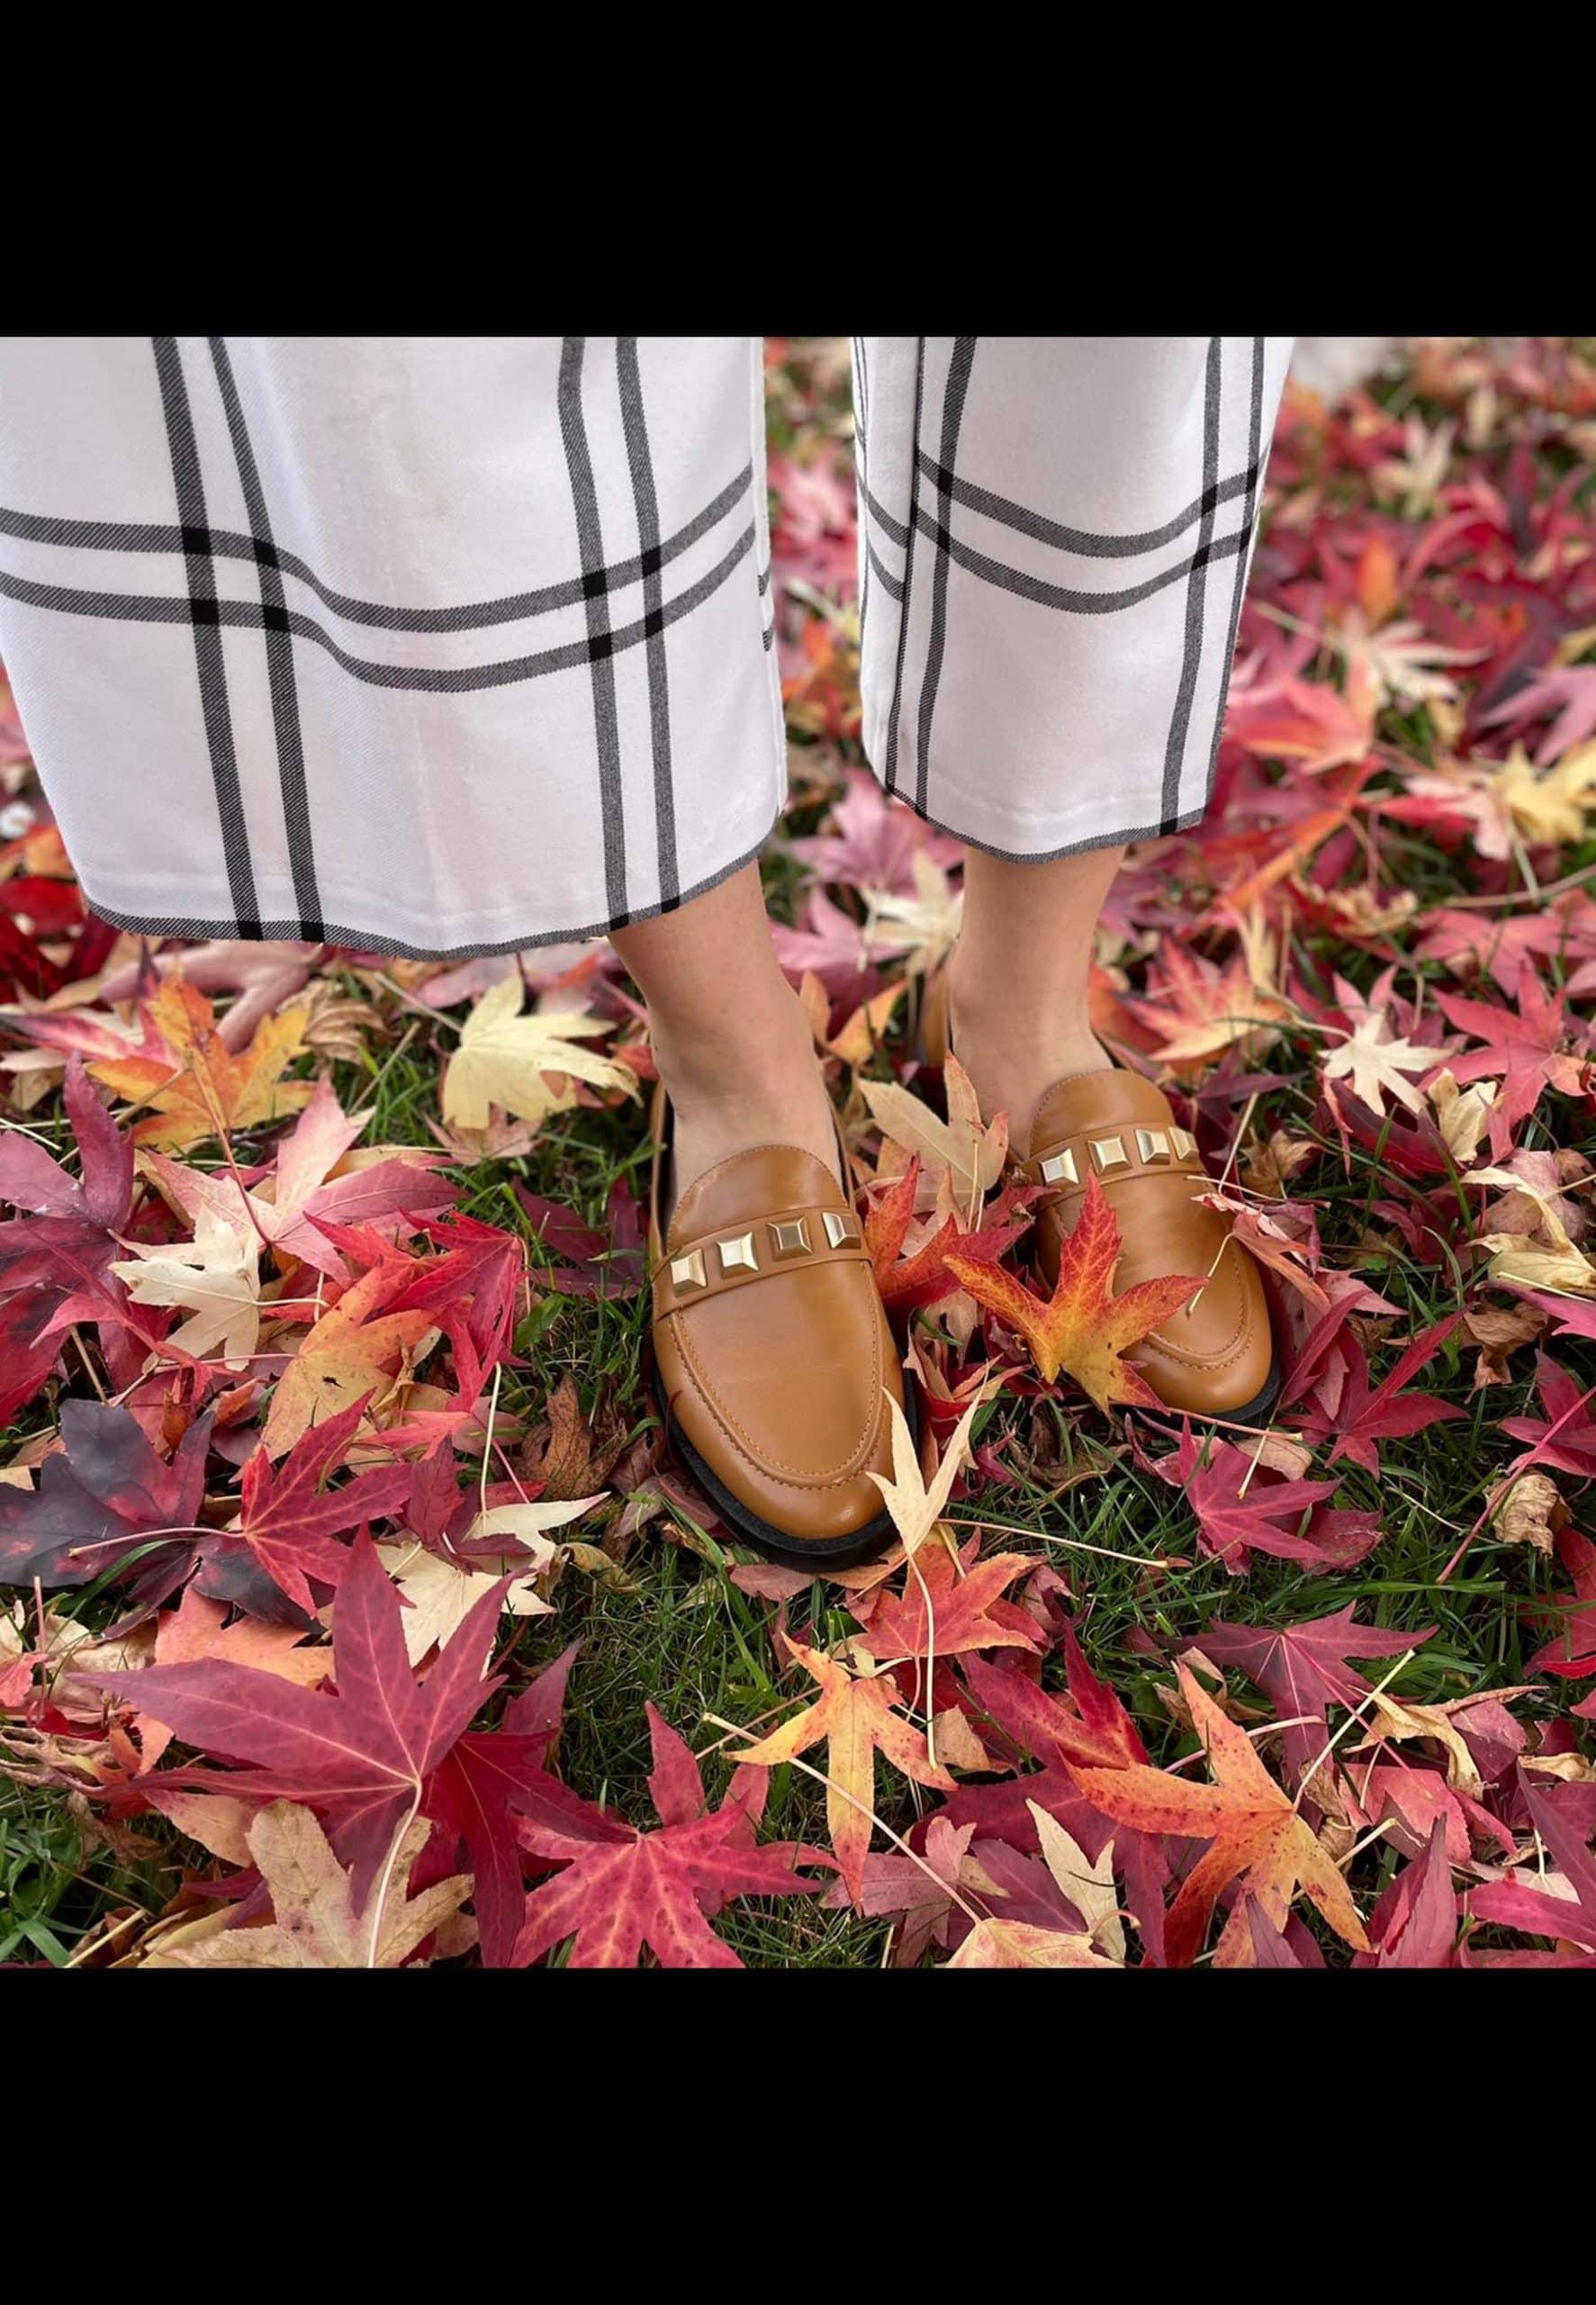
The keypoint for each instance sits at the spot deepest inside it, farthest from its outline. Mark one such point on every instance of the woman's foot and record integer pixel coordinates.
(773, 1360)
(762, 1087)
(1013, 1055)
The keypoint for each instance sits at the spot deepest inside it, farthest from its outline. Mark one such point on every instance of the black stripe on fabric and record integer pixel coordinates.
(1197, 591)
(585, 497)
(356, 940)
(1240, 592)
(644, 496)
(279, 652)
(1088, 544)
(227, 543)
(884, 519)
(886, 581)
(247, 616)
(203, 610)
(954, 394)
(889, 773)
(1055, 596)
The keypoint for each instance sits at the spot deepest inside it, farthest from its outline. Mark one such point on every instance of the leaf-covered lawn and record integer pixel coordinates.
(349, 1614)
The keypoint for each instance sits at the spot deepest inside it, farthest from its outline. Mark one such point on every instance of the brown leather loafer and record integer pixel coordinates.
(772, 1350)
(1216, 1357)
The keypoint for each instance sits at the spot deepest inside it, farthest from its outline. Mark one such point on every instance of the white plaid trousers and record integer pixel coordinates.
(453, 645)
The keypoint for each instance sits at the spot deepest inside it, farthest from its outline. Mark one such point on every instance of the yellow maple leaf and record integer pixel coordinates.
(1550, 804)
(215, 1278)
(207, 1090)
(505, 1059)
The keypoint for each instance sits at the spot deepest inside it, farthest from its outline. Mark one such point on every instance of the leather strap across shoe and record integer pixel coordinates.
(771, 1348)
(1216, 1357)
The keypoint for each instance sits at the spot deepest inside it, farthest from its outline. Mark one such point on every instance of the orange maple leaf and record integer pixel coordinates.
(1081, 1329)
(1257, 1837)
(205, 1089)
(905, 1284)
(856, 1715)
(946, 1607)
(354, 1349)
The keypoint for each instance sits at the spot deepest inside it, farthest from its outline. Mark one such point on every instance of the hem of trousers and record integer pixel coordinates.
(1120, 837)
(294, 932)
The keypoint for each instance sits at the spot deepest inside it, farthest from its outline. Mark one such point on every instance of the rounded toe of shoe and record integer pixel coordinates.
(1216, 1357)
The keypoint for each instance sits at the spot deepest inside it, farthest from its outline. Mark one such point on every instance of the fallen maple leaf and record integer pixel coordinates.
(317, 1180)
(1375, 1060)
(1525, 1050)
(318, 1922)
(353, 1352)
(1022, 1944)
(491, 1778)
(1303, 1669)
(105, 1495)
(660, 1890)
(916, 1509)
(359, 1756)
(945, 1610)
(290, 1517)
(1081, 1329)
(1241, 1509)
(215, 1279)
(962, 1145)
(505, 1059)
(856, 1714)
(1257, 1839)
(1562, 1908)
(203, 1089)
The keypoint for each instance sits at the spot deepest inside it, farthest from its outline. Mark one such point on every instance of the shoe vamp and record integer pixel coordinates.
(791, 1371)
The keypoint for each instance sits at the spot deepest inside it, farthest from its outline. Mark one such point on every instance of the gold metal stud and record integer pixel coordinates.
(688, 1271)
(839, 1230)
(1183, 1143)
(1152, 1144)
(1058, 1168)
(790, 1240)
(1109, 1152)
(737, 1256)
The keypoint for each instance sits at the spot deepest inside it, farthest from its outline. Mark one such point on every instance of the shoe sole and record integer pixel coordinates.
(1255, 1412)
(819, 1554)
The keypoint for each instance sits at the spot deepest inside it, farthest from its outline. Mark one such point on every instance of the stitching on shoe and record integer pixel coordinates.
(747, 1447)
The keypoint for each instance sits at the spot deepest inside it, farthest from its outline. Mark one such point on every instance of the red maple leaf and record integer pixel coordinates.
(1364, 1415)
(290, 1517)
(1414, 1925)
(1239, 1508)
(1572, 1651)
(105, 1495)
(1570, 1921)
(1525, 1050)
(1303, 1669)
(629, 1890)
(488, 1779)
(948, 1608)
(604, 1266)
(359, 1754)
(1566, 1437)
(65, 1246)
